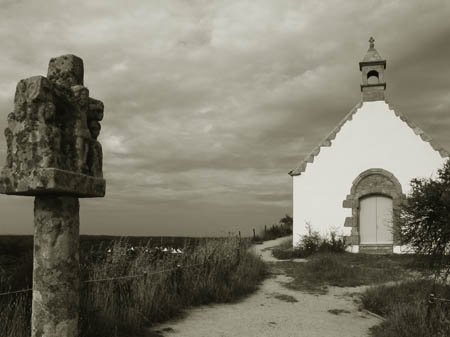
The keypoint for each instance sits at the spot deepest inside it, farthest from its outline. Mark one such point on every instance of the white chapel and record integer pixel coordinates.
(353, 179)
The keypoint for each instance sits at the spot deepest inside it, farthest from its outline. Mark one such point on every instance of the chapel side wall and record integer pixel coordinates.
(374, 138)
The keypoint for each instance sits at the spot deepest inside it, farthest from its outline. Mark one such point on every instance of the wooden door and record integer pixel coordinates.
(384, 220)
(375, 220)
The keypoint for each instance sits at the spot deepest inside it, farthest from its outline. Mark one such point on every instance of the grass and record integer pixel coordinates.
(405, 307)
(346, 270)
(338, 311)
(310, 244)
(284, 251)
(281, 229)
(285, 298)
(221, 270)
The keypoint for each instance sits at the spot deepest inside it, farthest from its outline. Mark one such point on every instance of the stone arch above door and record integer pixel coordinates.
(374, 181)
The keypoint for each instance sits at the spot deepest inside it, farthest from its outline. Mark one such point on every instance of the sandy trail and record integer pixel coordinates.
(275, 310)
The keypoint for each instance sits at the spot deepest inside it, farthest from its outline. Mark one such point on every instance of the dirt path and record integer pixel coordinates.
(275, 311)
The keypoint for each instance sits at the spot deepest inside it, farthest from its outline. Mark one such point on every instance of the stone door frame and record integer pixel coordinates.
(375, 181)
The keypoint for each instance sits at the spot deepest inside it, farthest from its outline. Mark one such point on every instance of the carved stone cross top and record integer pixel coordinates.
(53, 154)
(52, 135)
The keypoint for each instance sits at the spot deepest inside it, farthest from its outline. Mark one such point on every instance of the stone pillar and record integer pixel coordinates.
(53, 154)
(56, 267)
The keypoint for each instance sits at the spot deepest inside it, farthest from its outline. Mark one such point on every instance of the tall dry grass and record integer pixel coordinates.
(215, 270)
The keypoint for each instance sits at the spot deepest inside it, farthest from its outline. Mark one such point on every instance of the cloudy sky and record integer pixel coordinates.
(208, 104)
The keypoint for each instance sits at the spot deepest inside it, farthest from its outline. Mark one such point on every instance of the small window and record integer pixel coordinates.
(372, 77)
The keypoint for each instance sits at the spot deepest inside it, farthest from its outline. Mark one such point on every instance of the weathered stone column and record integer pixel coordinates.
(53, 154)
(56, 275)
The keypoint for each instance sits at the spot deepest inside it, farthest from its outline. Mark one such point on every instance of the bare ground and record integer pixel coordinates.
(275, 310)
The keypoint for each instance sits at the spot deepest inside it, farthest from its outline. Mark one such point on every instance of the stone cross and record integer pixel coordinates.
(53, 154)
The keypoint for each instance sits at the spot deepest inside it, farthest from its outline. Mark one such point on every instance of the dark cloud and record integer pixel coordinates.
(210, 104)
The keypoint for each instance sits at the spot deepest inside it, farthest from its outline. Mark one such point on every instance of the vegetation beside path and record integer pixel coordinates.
(281, 229)
(399, 287)
(166, 282)
(407, 310)
(345, 270)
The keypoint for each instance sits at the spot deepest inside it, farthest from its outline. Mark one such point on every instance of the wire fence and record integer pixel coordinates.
(433, 299)
(145, 274)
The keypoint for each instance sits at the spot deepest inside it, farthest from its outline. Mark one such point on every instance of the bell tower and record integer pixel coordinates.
(372, 68)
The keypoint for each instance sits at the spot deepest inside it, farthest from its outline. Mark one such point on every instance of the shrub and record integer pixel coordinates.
(314, 243)
(310, 244)
(423, 220)
(281, 229)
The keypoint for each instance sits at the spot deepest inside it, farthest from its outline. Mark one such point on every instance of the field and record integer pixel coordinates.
(167, 275)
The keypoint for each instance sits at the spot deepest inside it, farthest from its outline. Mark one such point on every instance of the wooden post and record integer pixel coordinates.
(254, 235)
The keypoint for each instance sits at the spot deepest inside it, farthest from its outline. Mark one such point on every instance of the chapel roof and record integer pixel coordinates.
(371, 58)
(332, 135)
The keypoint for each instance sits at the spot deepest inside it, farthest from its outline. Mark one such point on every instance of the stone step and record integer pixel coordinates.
(376, 249)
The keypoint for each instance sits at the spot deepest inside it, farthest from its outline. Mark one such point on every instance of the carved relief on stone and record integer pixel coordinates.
(54, 126)
(32, 136)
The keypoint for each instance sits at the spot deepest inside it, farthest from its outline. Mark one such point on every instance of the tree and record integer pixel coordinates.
(286, 221)
(423, 220)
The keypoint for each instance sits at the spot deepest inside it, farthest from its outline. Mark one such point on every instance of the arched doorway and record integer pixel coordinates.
(373, 198)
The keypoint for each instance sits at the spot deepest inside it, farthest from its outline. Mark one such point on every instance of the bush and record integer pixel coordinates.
(314, 243)
(423, 220)
(310, 244)
(283, 228)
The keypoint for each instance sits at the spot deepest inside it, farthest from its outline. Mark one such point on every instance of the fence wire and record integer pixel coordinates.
(432, 299)
(116, 278)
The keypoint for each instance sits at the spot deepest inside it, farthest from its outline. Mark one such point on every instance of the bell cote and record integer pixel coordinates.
(372, 68)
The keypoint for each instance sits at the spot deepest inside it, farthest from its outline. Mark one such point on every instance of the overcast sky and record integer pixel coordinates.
(209, 104)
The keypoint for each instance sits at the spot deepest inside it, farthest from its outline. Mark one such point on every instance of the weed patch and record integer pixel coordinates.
(311, 243)
(285, 298)
(345, 270)
(338, 311)
(405, 307)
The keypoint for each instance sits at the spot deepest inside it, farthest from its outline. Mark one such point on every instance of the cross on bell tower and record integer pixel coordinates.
(372, 68)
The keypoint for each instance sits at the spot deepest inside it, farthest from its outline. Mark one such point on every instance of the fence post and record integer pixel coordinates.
(254, 235)
(430, 308)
